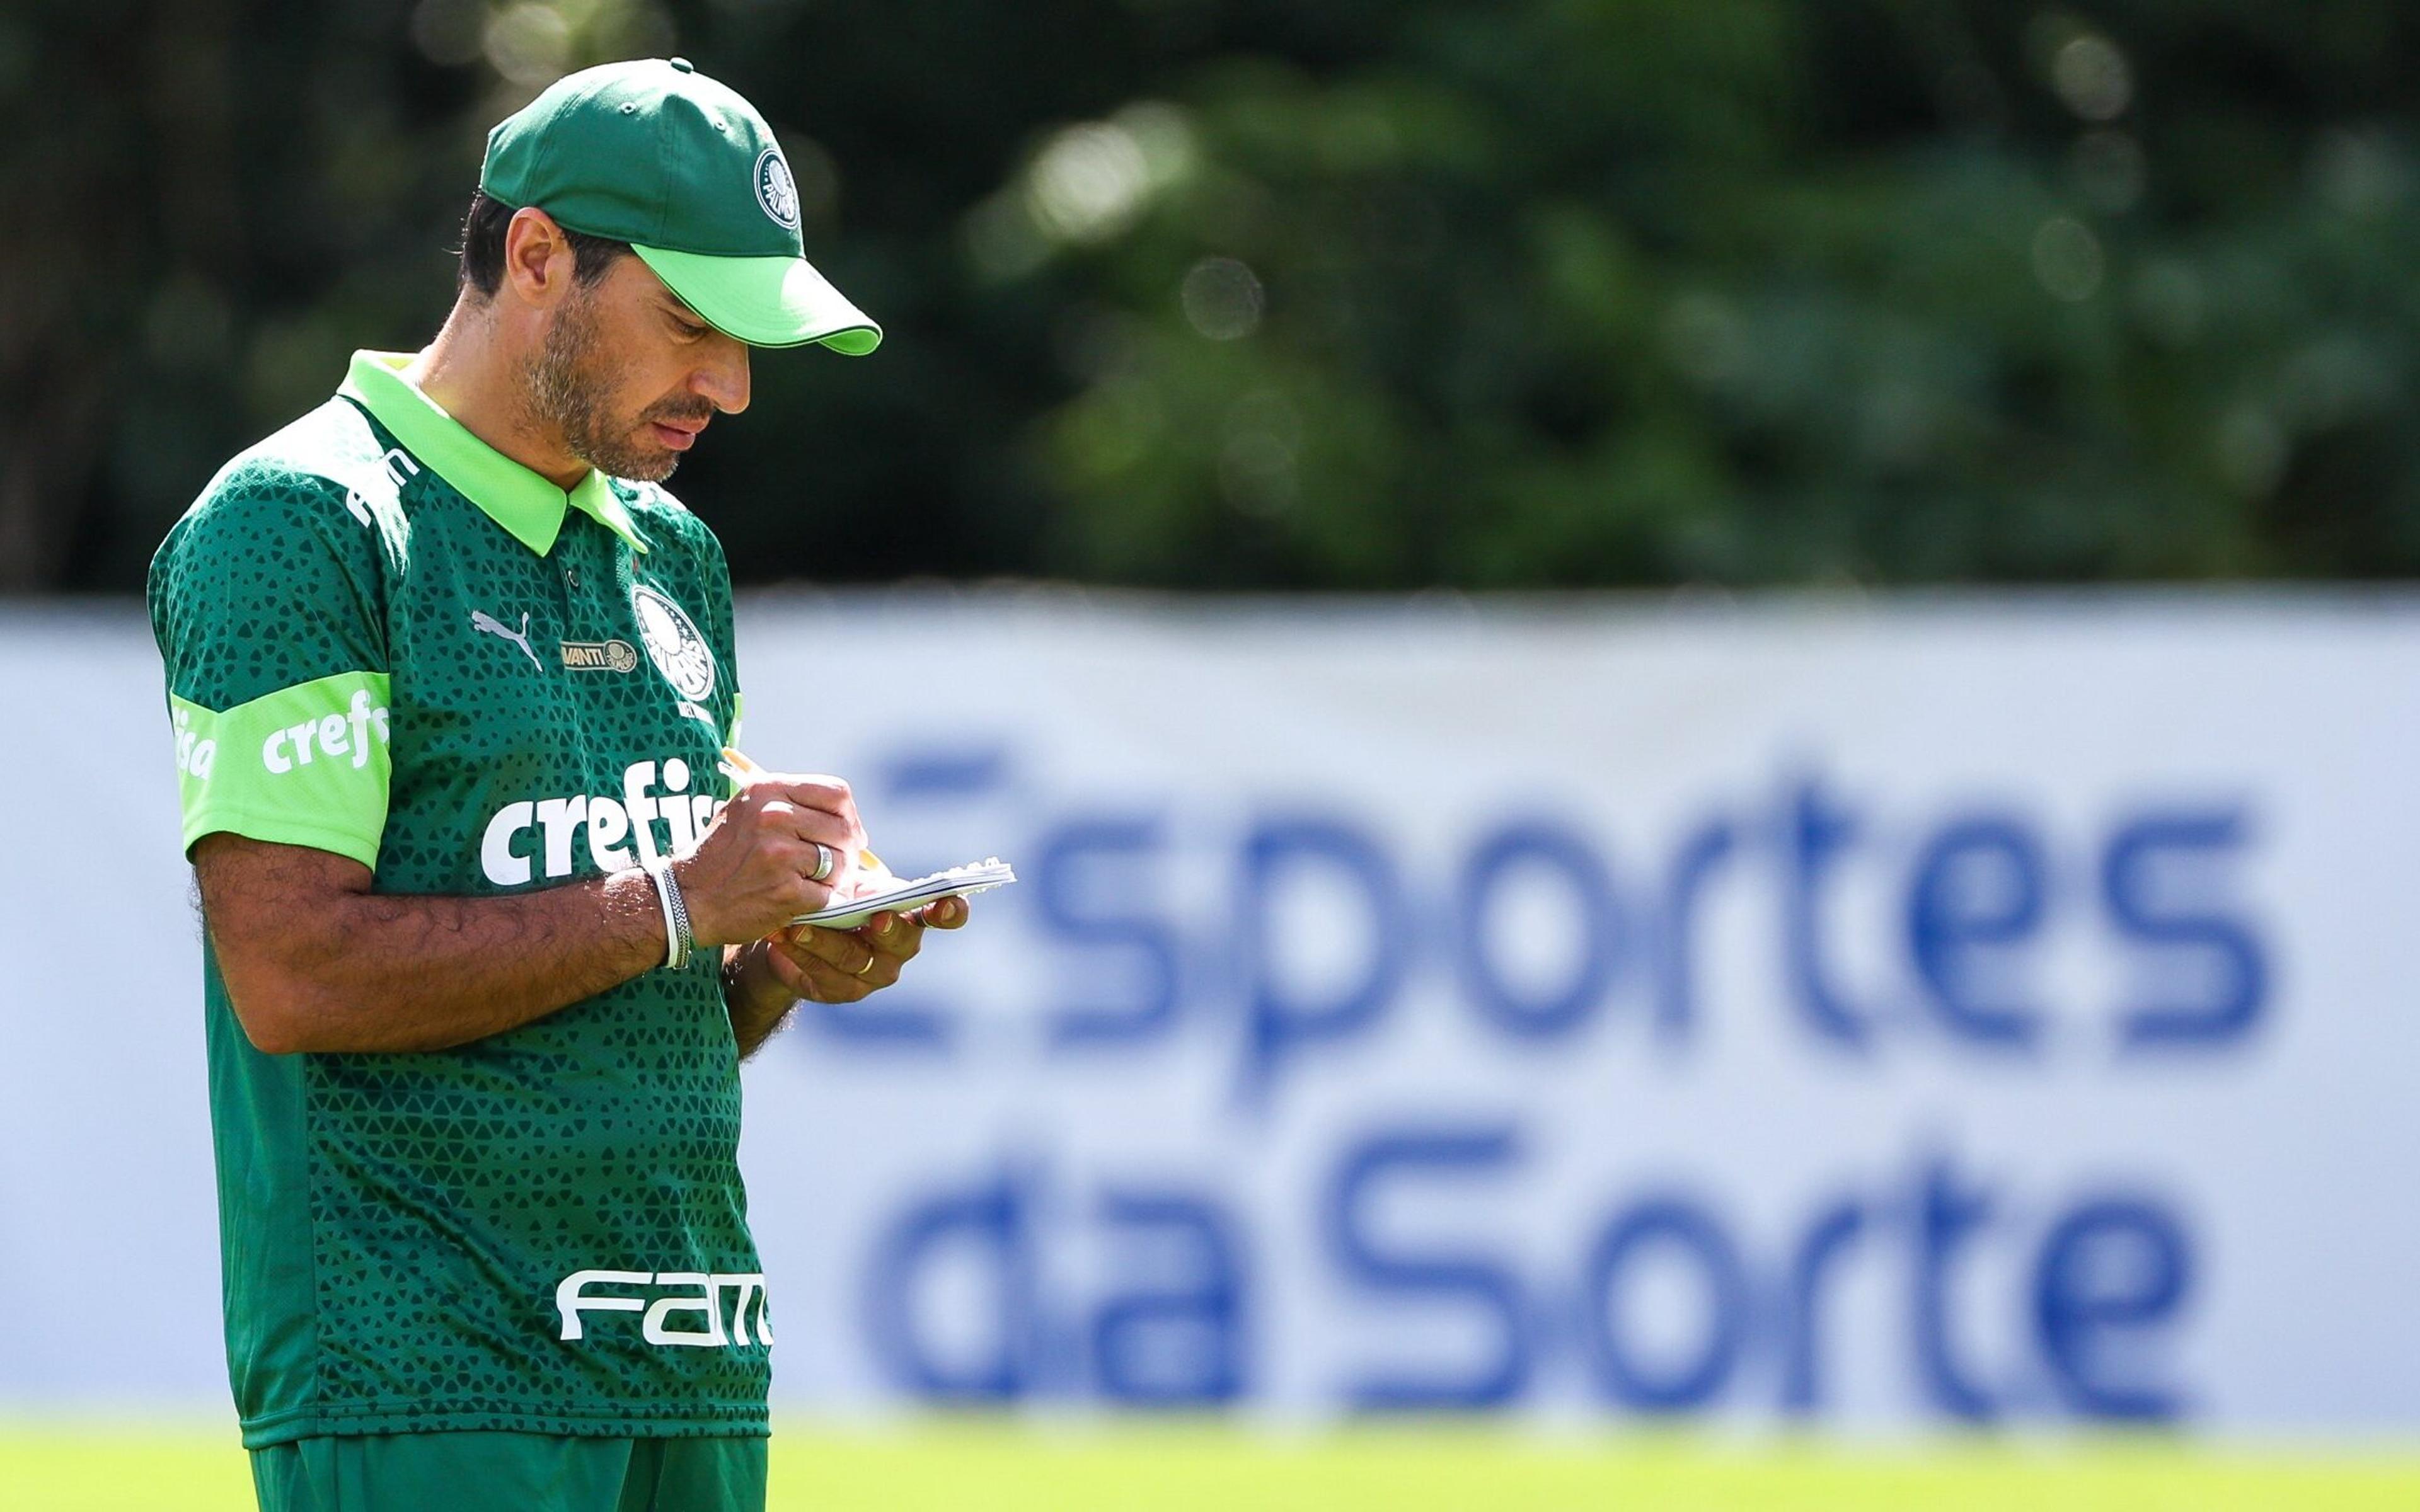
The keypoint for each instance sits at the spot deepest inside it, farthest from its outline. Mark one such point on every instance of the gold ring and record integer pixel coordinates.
(864, 970)
(824, 859)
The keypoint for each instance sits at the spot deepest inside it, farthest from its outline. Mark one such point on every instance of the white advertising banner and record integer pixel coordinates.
(1905, 1014)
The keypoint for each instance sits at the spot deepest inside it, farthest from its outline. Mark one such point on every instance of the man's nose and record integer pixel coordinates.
(723, 377)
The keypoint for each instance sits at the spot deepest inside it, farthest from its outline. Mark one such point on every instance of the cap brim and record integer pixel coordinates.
(766, 301)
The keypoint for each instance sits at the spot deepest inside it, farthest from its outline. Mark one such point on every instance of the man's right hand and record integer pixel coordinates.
(748, 877)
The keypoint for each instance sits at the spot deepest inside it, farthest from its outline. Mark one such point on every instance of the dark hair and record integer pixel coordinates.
(482, 254)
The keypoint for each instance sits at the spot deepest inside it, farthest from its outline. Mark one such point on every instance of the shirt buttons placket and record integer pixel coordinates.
(566, 583)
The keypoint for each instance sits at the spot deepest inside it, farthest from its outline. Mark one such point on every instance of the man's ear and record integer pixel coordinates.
(538, 259)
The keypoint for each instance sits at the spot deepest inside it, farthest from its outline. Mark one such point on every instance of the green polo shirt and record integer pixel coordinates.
(387, 641)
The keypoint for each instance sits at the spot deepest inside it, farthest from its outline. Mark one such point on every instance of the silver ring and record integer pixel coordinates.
(825, 861)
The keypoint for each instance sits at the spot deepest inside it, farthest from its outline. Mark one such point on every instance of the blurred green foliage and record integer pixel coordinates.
(1324, 293)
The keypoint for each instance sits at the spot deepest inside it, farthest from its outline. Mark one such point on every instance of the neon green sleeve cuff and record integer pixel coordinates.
(305, 765)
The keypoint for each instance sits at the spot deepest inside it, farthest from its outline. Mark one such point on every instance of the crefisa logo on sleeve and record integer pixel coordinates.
(196, 753)
(338, 737)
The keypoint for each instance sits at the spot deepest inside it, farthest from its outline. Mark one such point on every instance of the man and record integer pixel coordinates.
(451, 676)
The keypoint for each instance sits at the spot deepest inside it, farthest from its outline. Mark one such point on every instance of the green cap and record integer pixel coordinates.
(653, 153)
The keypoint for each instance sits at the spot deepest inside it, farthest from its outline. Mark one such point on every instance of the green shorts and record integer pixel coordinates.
(509, 1472)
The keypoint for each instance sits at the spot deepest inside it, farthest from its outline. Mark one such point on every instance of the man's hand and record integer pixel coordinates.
(843, 966)
(749, 877)
(764, 980)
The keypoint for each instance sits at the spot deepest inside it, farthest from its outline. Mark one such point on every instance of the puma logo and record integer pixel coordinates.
(482, 621)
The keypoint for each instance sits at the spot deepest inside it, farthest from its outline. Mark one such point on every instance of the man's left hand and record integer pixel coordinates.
(843, 966)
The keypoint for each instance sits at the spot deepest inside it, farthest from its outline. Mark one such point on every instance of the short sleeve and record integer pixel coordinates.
(268, 603)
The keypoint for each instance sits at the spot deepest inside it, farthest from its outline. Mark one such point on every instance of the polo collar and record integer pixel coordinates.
(527, 505)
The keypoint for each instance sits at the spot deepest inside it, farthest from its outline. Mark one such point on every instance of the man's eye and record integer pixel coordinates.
(688, 332)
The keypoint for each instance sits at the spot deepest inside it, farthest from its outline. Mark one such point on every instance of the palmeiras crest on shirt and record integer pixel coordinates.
(672, 643)
(776, 191)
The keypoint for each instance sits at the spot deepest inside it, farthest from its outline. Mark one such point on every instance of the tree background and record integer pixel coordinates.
(1322, 294)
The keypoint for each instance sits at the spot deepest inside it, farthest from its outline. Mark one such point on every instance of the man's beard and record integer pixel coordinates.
(570, 389)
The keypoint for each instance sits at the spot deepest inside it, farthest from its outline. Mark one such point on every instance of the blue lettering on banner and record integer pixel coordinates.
(1677, 1224)
(944, 772)
(2171, 1013)
(986, 1227)
(1479, 1284)
(1168, 1328)
(1145, 1293)
(2109, 1270)
(1978, 906)
(886, 1022)
(1827, 1241)
(1281, 1025)
(1173, 1334)
(1947, 1217)
(1166, 1315)
(1977, 895)
(1815, 836)
(1091, 895)
(1561, 854)
(1694, 863)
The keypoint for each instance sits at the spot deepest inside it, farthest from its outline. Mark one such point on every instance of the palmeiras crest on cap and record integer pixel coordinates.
(775, 188)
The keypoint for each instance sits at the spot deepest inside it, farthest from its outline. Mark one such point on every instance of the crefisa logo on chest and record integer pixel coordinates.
(539, 838)
(676, 648)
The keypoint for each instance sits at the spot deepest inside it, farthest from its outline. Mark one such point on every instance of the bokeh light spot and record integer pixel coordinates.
(1222, 298)
(2093, 77)
(2068, 259)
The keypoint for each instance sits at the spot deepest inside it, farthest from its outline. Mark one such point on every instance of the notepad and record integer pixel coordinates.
(957, 882)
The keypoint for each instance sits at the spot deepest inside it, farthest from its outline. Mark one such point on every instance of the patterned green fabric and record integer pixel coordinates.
(543, 1231)
(509, 1472)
